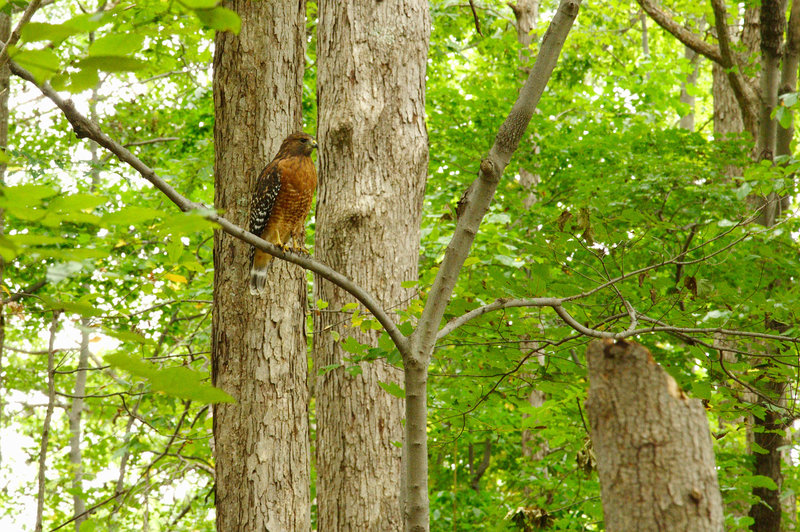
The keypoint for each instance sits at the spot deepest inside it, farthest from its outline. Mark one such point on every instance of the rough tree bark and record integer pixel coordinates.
(654, 453)
(259, 343)
(768, 431)
(373, 165)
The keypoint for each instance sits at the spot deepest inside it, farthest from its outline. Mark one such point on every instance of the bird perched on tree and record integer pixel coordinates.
(281, 201)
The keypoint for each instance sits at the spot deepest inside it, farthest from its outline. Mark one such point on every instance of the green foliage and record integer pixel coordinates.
(618, 189)
(179, 382)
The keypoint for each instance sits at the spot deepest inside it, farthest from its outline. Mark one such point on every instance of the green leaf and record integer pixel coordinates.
(354, 370)
(42, 31)
(8, 250)
(111, 63)
(36, 239)
(58, 272)
(132, 215)
(116, 44)
(75, 307)
(83, 80)
(29, 195)
(393, 389)
(743, 190)
(220, 19)
(322, 304)
(351, 345)
(180, 381)
(43, 64)
(349, 306)
(785, 118)
(760, 481)
(701, 389)
(184, 223)
(128, 336)
(77, 202)
(199, 4)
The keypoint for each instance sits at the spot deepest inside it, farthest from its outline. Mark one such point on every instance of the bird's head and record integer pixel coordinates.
(298, 144)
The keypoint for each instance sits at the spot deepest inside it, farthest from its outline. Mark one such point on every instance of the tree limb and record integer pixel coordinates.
(483, 188)
(679, 32)
(85, 128)
(745, 96)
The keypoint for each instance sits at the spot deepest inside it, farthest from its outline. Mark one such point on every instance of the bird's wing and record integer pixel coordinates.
(264, 196)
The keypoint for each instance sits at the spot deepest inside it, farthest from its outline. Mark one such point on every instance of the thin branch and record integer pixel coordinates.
(88, 511)
(151, 141)
(51, 399)
(14, 37)
(480, 194)
(475, 18)
(496, 305)
(28, 291)
(85, 128)
(685, 36)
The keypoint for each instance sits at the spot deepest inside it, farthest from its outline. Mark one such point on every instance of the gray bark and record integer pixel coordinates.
(654, 453)
(258, 343)
(687, 120)
(373, 165)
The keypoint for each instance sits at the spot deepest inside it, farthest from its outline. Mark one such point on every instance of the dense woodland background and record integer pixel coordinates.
(633, 161)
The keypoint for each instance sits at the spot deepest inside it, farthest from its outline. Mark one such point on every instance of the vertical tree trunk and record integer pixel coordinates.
(768, 431)
(654, 453)
(687, 120)
(259, 343)
(373, 166)
(5, 79)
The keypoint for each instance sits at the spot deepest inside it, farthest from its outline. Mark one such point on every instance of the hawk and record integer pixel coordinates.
(280, 203)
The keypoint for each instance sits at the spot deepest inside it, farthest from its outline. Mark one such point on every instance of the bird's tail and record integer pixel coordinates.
(259, 266)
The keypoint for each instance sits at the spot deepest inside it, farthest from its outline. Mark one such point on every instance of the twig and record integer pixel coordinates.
(475, 18)
(51, 399)
(27, 291)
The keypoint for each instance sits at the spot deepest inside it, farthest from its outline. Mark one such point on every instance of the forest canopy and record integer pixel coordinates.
(642, 203)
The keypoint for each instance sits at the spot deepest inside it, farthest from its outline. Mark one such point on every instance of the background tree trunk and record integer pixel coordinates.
(653, 446)
(373, 166)
(259, 343)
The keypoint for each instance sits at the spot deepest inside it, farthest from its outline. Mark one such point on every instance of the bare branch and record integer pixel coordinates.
(85, 128)
(685, 36)
(14, 37)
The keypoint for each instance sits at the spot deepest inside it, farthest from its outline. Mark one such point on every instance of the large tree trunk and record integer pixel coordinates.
(259, 343)
(373, 165)
(653, 446)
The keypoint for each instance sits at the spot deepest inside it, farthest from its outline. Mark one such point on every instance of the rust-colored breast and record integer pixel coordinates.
(298, 182)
